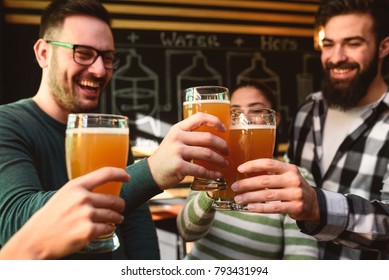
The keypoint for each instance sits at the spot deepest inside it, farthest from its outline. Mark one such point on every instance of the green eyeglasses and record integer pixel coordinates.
(86, 56)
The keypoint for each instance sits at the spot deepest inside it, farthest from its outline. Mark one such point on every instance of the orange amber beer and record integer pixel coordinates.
(213, 100)
(218, 108)
(89, 149)
(94, 141)
(250, 137)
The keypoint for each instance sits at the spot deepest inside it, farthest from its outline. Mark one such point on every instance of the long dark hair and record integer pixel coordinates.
(266, 91)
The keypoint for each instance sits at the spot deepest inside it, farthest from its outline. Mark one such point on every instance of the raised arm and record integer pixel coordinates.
(195, 219)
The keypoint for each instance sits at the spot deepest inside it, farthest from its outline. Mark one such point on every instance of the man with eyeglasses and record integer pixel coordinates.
(77, 55)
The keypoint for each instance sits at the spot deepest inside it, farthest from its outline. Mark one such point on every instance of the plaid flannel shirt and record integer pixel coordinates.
(354, 192)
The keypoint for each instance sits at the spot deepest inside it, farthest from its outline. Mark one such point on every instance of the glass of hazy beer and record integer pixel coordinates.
(251, 136)
(94, 141)
(212, 100)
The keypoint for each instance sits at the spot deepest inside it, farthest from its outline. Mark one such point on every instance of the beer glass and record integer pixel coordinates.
(212, 100)
(251, 136)
(94, 141)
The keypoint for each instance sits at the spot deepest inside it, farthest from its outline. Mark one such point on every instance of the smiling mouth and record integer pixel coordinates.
(341, 70)
(89, 85)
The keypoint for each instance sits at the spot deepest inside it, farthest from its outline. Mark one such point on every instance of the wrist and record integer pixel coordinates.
(209, 194)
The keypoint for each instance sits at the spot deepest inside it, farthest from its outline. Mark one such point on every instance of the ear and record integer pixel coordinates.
(384, 48)
(41, 53)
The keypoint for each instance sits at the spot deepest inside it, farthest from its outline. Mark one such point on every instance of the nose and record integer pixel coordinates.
(98, 68)
(338, 55)
(246, 110)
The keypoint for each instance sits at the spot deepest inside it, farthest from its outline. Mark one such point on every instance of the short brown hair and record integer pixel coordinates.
(56, 12)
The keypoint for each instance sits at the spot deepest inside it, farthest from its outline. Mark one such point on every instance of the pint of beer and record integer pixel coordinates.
(217, 108)
(251, 136)
(89, 149)
(94, 141)
(212, 100)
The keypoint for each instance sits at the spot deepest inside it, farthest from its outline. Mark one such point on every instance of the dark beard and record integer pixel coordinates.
(346, 94)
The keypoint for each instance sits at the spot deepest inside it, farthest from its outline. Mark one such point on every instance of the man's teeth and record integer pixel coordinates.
(341, 70)
(89, 84)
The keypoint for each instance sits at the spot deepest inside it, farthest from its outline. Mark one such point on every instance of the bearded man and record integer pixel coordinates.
(341, 137)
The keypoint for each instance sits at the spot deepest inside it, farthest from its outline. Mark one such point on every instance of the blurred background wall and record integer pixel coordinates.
(167, 46)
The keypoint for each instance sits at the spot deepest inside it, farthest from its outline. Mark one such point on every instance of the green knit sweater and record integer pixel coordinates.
(32, 168)
(241, 235)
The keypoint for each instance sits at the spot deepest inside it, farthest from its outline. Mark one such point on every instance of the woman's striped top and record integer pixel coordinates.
(240, 235)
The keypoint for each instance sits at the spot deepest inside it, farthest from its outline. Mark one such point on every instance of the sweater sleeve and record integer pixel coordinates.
(196, 218)
(140, 188)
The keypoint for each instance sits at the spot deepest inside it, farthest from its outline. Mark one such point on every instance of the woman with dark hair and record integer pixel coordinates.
(242, 235)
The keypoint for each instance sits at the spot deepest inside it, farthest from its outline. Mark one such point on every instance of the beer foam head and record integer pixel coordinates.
(207, 101)
(98, 130)
(241, 126)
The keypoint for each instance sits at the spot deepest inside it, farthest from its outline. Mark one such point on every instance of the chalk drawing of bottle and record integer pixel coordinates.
(135, 93)
(197, 74)
(260, 72)
(304, 80)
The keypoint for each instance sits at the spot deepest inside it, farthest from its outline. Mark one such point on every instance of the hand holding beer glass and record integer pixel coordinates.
(251, 136)
(212, 100)
(94, 141)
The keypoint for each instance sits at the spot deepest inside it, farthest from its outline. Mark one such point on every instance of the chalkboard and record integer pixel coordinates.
(156, 67)
(167, 46)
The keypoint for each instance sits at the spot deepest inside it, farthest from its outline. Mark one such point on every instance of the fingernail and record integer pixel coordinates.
(234, 186)
(238, 198)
